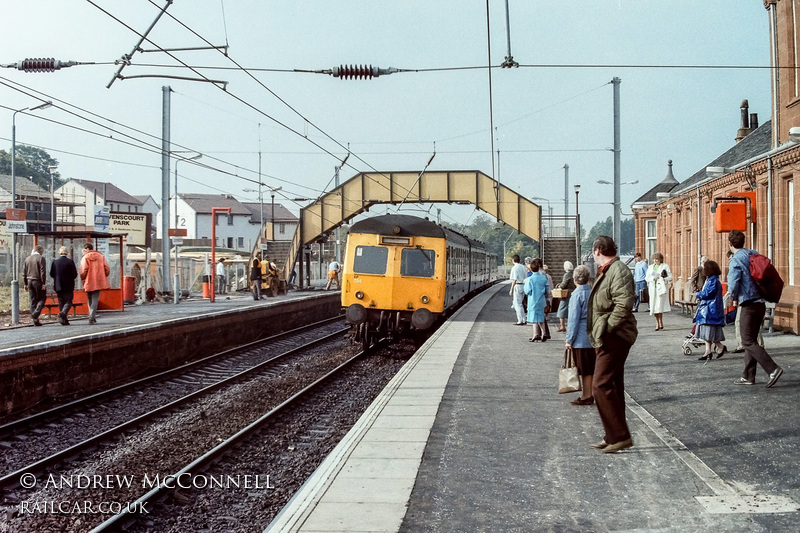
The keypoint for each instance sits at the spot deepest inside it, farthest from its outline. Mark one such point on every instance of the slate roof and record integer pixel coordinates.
(757, 143)
(281, 213)
(202, 203)
(115, 194)
(23, 186)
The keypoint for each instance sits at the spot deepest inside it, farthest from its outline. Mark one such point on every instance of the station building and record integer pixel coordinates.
(749, 187)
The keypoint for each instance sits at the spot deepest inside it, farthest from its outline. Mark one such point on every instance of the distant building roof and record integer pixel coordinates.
(114, 193)
(144, 197)
(202, 203)
(23, 186)
(755, 144)
(281, 213)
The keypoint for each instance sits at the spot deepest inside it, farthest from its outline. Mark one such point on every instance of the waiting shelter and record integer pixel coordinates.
(110, 245)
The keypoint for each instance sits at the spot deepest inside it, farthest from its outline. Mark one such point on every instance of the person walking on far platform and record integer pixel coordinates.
(255, 277)
(35, 279)
(94, 274)
(567, 283)
(516, 292)
(577, 338)
(743, 290)
(220, 273)
(639, 278)
(612, 331)
(64, 274)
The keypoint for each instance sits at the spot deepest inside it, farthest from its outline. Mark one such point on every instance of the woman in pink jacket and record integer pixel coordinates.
(94, 274)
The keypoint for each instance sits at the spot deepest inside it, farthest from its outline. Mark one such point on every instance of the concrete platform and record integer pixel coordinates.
(472, 436)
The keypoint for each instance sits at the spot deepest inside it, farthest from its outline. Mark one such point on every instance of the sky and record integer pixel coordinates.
(685, 67)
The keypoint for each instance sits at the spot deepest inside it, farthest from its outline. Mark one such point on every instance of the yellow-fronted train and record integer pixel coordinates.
(401, 273)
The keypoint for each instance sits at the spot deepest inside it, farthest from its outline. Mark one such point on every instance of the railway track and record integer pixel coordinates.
(28, 444)
(115, 464)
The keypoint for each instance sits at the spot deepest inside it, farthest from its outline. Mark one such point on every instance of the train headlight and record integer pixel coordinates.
(425, 299)
(360, 295)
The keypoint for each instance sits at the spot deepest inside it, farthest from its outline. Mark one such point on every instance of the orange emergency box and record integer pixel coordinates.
(730, 216)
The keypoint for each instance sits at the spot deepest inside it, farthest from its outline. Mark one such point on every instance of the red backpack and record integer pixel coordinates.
(766, 278)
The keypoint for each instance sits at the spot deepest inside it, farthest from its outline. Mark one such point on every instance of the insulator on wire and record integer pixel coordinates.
(360, 71)
(43, 64)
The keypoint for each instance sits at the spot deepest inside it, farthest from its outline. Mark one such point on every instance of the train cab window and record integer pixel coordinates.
(370, 260)
(416, 262)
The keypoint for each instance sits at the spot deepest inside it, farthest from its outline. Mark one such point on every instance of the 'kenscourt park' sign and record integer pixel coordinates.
(136, 225)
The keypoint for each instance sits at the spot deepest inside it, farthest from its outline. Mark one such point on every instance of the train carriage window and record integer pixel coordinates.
(417, 262)
(370, 260)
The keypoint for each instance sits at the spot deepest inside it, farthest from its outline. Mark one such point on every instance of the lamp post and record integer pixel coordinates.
(176, 287)
(272, 191)
(577, 225)
(14, 280)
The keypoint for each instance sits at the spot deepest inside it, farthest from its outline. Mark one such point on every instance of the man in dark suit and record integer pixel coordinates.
(63, 272)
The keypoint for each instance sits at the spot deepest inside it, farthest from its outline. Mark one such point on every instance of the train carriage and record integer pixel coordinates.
(402, 272)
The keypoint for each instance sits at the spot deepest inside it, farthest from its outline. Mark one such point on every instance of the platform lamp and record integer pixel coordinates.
(15, 281)
(577, 225)
(52, 169)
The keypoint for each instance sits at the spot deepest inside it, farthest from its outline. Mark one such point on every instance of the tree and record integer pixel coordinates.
(31, 163)
(497, 237)
(606, 227)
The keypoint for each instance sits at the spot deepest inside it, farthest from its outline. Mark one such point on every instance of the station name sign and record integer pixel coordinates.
(136, 225)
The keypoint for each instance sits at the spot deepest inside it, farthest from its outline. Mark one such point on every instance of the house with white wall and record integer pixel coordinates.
(284, 221)
(80, 196)
(233, 230)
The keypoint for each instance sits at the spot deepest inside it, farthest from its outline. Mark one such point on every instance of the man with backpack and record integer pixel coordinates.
(742, 288)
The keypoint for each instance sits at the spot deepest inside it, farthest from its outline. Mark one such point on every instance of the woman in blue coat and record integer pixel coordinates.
(537, 289)
(577, 338)
(710, 317)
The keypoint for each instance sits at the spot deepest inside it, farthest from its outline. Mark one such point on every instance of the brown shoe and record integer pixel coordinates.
(583, 401)
(617, 446)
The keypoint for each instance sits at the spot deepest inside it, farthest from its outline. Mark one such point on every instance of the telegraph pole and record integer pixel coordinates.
(616, 81)
(165, 218)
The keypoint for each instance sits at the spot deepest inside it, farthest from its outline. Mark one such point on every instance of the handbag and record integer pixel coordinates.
(644, 296)
(568, 379)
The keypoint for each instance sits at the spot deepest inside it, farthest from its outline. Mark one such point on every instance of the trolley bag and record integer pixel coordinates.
(644, 296)
(568, 379)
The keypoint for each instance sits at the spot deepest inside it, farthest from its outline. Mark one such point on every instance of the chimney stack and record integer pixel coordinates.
(744, 129)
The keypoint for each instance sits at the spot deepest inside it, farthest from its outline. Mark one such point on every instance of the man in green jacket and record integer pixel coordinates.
(612, 331)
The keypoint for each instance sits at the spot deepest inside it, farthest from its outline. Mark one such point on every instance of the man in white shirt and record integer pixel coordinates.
(221, 286)
(333, 275)
(517, 278)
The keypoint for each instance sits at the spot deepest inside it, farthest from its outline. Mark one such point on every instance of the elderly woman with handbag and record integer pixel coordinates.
(568, 284)
(577, 338)
(659, 279)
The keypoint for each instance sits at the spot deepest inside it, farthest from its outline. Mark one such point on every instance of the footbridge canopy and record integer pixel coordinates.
(356, 195)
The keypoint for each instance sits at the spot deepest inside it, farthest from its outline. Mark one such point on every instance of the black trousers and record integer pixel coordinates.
(65, 301)
(750, 323)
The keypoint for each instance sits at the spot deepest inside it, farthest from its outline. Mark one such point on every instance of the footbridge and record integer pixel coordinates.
(359, 193)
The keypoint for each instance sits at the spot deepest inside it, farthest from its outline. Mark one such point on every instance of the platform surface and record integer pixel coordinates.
(473, 436)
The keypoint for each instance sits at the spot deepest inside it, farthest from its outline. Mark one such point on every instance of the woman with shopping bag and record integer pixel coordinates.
(577, 339)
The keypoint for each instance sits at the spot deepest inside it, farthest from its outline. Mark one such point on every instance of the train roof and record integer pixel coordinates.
(410, 226)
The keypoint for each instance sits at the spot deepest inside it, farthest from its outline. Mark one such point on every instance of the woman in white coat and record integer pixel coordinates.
(659, 279)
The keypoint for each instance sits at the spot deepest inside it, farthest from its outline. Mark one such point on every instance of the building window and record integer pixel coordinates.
(230, 242)
(281, 228)
(241, 243)
(651, 240)
(230, 220)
